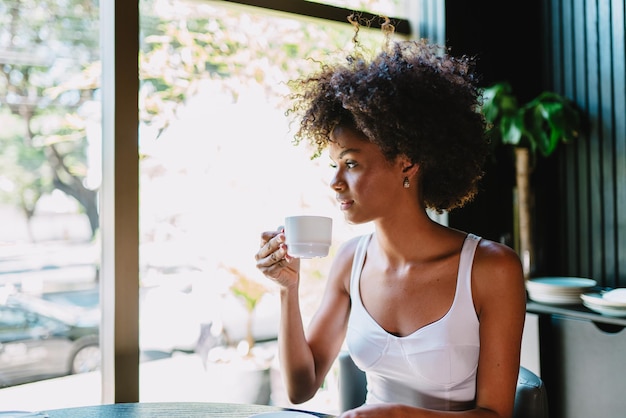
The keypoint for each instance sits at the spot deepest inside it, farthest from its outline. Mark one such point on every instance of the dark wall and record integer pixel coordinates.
(588, 64)
(506, 38)
(508, 42)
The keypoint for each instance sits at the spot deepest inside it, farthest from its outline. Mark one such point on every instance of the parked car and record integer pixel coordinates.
(40, 339)
(58, 334)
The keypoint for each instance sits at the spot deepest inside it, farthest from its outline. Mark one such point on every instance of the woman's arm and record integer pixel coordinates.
(500, 300)
(306, 357)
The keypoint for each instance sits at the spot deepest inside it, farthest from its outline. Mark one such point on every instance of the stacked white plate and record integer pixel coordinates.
(558, 290)
(610, 303)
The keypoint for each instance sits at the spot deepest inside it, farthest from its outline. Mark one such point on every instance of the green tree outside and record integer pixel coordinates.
(50, 78)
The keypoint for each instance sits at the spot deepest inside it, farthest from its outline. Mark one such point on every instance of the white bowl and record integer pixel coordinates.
(558, 290)
(598, 299)
(606, 310)
(560, 285)
(615, 295)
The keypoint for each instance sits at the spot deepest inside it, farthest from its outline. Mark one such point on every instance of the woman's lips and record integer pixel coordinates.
(345, 204)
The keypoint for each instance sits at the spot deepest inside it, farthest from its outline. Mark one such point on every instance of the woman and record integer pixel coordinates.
(433, 315)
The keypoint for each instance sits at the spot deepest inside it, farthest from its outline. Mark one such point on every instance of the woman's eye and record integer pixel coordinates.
(348, 164)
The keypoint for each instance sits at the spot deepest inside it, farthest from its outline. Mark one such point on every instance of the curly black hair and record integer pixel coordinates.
(413, 99)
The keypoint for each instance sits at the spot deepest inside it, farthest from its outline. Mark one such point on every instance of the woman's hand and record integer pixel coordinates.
(274, 262)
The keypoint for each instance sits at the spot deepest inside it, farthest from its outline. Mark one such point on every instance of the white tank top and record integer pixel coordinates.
(434, 367)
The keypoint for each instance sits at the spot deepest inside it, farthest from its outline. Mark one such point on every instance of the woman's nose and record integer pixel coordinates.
(336, 183)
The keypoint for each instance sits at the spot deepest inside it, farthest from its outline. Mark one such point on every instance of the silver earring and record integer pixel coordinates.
(406, 183)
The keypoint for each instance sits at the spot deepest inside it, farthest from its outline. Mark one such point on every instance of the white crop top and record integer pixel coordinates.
(434, 367)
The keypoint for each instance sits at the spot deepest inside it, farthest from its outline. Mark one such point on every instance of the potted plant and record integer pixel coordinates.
(249, 292)
(534, 128)
(241, 365)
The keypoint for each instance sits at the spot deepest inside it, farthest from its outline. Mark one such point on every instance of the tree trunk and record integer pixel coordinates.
(525, 243)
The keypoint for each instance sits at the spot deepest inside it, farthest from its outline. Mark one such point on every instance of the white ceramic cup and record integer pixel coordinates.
(308, 236)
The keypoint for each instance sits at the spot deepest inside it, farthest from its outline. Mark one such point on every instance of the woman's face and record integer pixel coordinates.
(367, 186)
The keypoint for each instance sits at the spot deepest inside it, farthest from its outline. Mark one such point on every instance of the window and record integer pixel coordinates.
(48, 191)
(211, 126)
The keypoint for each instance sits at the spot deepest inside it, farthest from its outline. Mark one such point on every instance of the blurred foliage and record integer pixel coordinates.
(540, 124)
(43, 43)
(249, 292)
(50, 77)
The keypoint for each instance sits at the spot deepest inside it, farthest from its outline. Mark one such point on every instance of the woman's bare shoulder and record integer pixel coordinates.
(498, 279)
(497, 263)
(494, 252)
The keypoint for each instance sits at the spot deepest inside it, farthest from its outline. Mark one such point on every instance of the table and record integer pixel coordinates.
(169, 410)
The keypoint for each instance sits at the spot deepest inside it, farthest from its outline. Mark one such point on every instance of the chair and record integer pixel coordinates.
(531, 397)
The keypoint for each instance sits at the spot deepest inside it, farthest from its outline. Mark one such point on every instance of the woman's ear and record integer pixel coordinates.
(409, 169)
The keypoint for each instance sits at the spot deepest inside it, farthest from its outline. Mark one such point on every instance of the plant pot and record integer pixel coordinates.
(240, 378)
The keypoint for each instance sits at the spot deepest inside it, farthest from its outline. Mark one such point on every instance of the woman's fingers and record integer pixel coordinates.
(274, 262)
(268, 235)
(271, 242)
(273, 251)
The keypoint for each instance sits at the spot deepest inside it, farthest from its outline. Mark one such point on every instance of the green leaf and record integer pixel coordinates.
(541, 124)
(511, 129)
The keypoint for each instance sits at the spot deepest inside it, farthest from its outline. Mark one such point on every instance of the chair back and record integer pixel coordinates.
(352, 383)
(531, 396)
